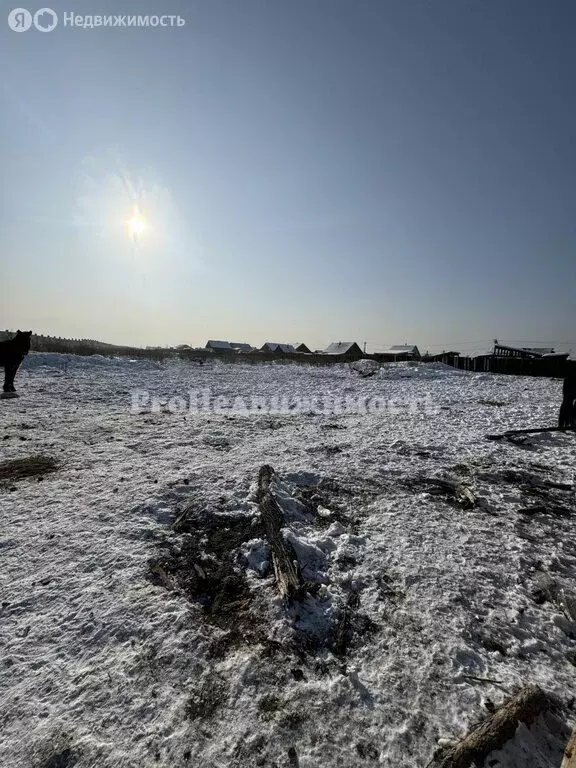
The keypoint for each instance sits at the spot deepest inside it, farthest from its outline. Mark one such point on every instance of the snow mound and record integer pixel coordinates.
(365, 367)
(418, 370)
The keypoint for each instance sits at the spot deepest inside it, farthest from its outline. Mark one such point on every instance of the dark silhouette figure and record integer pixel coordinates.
(567, 415)
(12, 352)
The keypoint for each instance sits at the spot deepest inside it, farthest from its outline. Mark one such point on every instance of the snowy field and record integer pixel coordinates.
(107, 660)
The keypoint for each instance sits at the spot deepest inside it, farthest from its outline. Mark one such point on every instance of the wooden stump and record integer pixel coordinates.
(496, 730)
(286, 569)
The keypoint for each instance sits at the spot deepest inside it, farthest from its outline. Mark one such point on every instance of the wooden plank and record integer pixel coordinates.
(286, 569)
(496, 730)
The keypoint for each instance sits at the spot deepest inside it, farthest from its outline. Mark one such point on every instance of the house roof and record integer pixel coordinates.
(524, 351)
(240, 346)
(400, 349)
(218, 344)
(340, 347)
(274, 346)
(539, 350)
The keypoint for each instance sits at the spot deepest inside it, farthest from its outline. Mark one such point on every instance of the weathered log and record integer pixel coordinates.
(286, 569)
(570, 752)
(496, 730)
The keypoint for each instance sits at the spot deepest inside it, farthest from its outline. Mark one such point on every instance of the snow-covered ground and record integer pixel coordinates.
(100, 663)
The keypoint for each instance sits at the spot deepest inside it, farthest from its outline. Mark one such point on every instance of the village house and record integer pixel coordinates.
(442, 357)
(502, 350)
(398, 353)
(219, 346)
(278, 349)
(344, 350)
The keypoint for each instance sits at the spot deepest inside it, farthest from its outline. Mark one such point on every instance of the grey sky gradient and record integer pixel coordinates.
(316, 170)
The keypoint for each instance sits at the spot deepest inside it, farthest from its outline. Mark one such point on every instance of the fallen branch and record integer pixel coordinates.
(496, 730)
(482, 679)
(286, 569)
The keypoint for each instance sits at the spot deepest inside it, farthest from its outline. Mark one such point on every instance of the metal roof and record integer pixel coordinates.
(340, 347)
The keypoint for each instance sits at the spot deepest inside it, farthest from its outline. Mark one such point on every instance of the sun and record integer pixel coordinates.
(136, 224)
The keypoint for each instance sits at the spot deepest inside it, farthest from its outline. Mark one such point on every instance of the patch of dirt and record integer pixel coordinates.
(269, 705)
(31, 466)
(206, 698)
(220, 533)
(332, 496)
(367, 751)
(389, 589)
(329, 450)
(522, 477)
(454, 490)
(541, 495)
(55, 752)
(219, 586)
(203, 564)
(65, 759)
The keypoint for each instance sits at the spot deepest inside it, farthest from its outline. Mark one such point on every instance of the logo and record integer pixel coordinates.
(45, 20)
(20, 20)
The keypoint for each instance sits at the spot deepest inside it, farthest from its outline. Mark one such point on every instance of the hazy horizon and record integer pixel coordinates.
(317, 170)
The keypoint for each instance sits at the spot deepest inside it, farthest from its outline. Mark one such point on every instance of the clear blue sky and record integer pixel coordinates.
(316, 170)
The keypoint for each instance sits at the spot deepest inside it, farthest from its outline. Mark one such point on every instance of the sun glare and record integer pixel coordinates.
(136, 224)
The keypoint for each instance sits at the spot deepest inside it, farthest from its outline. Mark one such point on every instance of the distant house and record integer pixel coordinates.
(239, 347)
(346, 350)
(441, 357)
(502, 350)
(219, 346)
(278, 349)
(399, 353)
(303, 348)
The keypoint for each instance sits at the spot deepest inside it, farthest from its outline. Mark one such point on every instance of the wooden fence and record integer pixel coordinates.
(551, 367)
(253, 358)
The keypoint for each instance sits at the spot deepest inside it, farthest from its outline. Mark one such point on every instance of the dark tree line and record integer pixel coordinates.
(41, 343)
